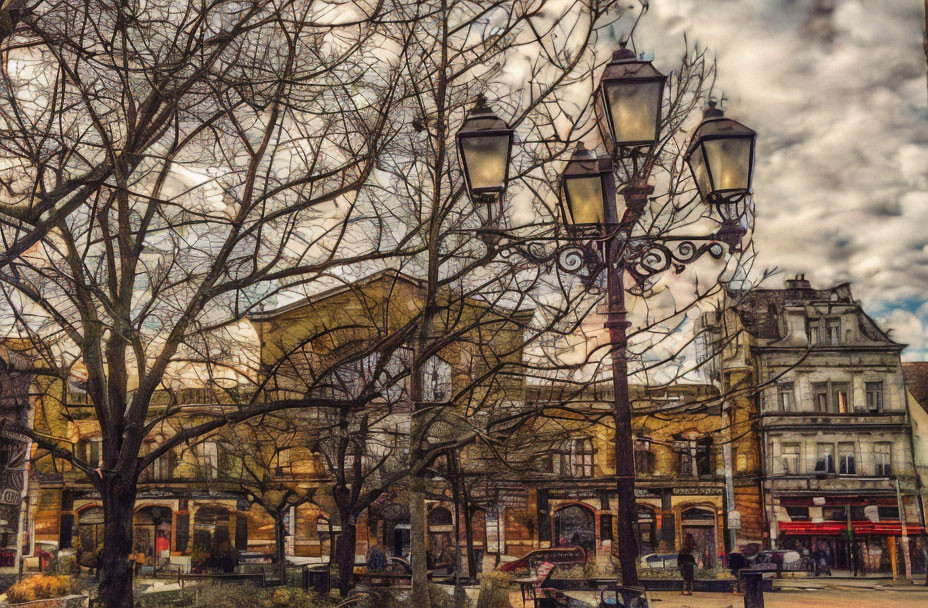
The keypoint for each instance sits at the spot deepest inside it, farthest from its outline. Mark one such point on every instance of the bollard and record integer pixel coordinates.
(753, 588)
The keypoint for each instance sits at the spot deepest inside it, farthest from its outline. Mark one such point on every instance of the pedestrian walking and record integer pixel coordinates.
(686, 562)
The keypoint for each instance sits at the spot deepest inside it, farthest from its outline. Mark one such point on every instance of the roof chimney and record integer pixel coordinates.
(798, 282)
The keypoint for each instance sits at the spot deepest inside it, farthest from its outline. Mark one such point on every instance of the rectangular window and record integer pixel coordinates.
(840, 402)
(785, 396)
(91, 451)
(847, 465)
(813, 333)
(644, 458)
(686, 457)
(833, 327)
(798, 513)
(888, 513)
(825, 458)
(882, 456)
(704, 460)
(874, 396)
(791, 455)
(820, 396)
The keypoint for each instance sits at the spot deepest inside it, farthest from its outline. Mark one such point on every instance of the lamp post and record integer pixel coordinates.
(600, 240)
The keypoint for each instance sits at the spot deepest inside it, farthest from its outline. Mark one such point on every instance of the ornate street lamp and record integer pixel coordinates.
(588, 188)
(628, 102)
(599, 241)
(721, 158)
(484, 150)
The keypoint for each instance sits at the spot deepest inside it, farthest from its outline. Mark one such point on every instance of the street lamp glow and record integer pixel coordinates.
(628, 102)
(721, 158)
(484, 150)
(588, 189)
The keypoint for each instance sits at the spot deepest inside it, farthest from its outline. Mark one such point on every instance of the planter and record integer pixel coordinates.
(65, 601)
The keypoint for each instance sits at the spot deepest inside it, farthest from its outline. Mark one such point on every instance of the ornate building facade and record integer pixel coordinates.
(825, 386)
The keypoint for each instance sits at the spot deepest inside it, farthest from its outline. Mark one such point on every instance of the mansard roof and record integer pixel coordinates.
(760, 310)
(916, 380)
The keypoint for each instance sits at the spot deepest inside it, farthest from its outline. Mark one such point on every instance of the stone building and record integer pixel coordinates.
(14, 449)
(825, 384)
(193, 503)
(568, 497)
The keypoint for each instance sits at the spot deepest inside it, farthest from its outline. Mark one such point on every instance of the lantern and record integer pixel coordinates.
(628, 102)
(484, 150)
(588, 190)
(721, 158)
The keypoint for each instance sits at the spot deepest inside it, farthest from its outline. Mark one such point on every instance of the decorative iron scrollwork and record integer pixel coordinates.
(644, 258)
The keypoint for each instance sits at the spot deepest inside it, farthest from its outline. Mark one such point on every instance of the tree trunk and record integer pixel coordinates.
(280, 534)
(345, 554)
(115, 589)
(417, 545)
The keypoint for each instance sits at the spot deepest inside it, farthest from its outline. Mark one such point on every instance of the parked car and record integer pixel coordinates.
(559, 556)
(791, 559)
(658, 560)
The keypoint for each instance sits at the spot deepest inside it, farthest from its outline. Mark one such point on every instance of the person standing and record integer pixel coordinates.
(686, 562)
(856, 561)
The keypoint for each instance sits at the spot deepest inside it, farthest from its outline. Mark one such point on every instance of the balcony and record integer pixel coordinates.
(788, 420)
(832, 483)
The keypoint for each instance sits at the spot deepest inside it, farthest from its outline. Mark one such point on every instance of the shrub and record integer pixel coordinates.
(62, 565)
(41, 587)
(494, 590)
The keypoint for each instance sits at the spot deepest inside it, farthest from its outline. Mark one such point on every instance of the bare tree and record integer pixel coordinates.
(172, 172)
(165, 167)
(274, 467)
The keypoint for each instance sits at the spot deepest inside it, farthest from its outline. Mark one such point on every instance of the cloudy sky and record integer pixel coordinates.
(840, 102)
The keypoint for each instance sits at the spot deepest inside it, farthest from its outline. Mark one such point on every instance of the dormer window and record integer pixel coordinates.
(833, 331)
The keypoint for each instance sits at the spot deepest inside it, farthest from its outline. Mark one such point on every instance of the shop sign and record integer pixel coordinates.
(573, 493)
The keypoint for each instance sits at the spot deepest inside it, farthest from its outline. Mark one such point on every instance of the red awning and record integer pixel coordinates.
(861, 528)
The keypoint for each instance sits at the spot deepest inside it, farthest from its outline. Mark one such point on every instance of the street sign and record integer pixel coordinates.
(734, 520)
(9, 496)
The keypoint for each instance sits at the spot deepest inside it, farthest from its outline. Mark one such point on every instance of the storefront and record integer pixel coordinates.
(699, 523)
(152, 533)
(575, 526)
(879, 543)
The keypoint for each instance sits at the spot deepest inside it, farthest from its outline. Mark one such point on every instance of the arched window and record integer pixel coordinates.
(577, 458)
(439, 516)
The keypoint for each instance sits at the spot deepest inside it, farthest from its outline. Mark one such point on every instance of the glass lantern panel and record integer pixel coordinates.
(485, 159)
(634, 107)
(585, 197)
(730, 162)
(698, 167)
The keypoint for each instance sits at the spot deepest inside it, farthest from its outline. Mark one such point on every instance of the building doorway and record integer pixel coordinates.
(646, 530)
(441, 539)
(152, 533)
(575, 526)
(90, 531)
(212, 540)
(699, 522)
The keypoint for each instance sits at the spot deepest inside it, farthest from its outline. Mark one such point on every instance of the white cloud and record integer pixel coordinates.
(841, 186)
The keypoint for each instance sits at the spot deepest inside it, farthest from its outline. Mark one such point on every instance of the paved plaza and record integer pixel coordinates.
(802, 593)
